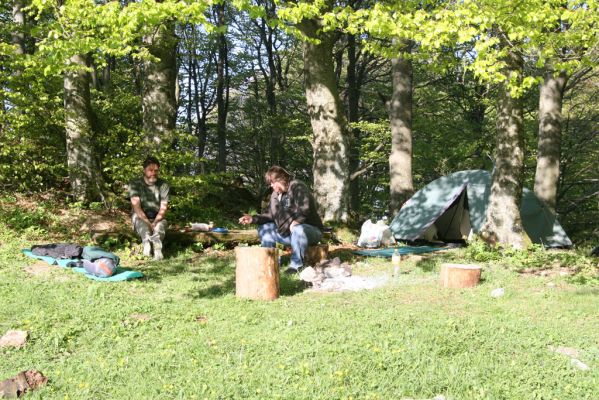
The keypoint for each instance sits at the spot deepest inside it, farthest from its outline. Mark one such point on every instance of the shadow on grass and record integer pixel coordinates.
(216, 275)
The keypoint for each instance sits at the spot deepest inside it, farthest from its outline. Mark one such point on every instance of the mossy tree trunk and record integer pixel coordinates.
(503, 224)
(329, 125)
(401, 186)
(84, 172)
(550, 135)
(159, 101)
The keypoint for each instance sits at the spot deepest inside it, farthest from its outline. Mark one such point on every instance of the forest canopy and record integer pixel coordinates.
(366, 101)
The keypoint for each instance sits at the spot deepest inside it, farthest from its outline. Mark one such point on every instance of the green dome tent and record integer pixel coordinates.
(456, 204)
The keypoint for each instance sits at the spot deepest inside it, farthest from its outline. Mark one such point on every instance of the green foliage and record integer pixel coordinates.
(21, 220)
(209, 197)
(534, 259)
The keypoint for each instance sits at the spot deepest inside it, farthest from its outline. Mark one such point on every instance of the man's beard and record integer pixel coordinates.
(151, 180)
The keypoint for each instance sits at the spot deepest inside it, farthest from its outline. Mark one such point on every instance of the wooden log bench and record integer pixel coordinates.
(188, 236)
(249, 236)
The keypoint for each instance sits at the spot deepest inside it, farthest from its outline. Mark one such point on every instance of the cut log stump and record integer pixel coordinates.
(257, 273)
(459, 275)
(316, 254)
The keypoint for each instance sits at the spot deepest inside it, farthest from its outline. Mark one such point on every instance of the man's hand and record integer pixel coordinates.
(245, 219)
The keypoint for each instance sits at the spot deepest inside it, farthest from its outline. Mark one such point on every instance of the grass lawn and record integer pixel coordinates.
(180, 333)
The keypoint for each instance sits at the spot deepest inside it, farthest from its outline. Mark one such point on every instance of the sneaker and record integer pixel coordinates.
(147, 248)
(157, 250)
(293, 270)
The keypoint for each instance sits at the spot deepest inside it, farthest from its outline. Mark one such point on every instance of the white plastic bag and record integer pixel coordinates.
(375, 235)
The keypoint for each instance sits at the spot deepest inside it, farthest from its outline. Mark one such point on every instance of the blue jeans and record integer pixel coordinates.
(301, 237)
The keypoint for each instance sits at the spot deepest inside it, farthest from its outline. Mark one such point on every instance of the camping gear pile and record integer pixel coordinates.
(95, 260)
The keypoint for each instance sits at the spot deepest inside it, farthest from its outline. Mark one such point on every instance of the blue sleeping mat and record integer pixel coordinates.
(401, 250)
(120, 274)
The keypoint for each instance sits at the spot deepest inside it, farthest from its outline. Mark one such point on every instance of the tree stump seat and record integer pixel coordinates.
(257, 273)
(459, 275)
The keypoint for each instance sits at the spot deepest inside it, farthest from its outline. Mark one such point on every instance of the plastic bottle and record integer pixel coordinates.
(395, 261)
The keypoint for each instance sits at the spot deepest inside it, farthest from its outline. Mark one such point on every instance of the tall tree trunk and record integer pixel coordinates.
(18, 35)
(222, 90)
(353, 98)
(329, 126)
(159, 101)
(503, 222)
(550, 135)
(18, 40)
(84, 172)
(400, 114)
(201, 113)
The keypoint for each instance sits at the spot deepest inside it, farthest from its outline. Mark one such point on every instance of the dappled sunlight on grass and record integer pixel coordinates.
(180, 332)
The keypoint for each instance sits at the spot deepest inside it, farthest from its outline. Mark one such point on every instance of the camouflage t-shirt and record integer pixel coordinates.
(150, 195)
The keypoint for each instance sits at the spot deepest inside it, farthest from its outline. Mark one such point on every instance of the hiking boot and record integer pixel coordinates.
(147, 252)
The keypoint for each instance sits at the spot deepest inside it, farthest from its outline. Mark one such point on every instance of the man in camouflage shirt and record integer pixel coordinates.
(149, 200)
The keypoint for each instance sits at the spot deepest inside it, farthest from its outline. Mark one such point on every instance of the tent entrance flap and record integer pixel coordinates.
(454, 223)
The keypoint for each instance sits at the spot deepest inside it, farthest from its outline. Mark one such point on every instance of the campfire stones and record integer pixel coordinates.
(325, 269)
(13, 338)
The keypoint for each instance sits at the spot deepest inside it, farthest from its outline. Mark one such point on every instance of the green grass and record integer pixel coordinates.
(181, 333)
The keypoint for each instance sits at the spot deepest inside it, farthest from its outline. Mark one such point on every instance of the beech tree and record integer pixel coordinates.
(159, 102)
(550, 131)
(84, 172)
(503, 35)
(329, 125)
(401, 186)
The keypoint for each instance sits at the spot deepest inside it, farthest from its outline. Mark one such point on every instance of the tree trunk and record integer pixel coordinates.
(353, 98)
(18, 35)
(221, 91)
(503, 222)
(550, 133)
(84, 173)
(158, 93)
(330, 149)
(400, 114)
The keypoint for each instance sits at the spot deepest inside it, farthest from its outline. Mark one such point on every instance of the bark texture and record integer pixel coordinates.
(84, 173)
(222, 90)
(159, 101)
(503, 224)
(18, 35)
(353, 100)
(400, 114)
(329, 126)
(550, 135)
